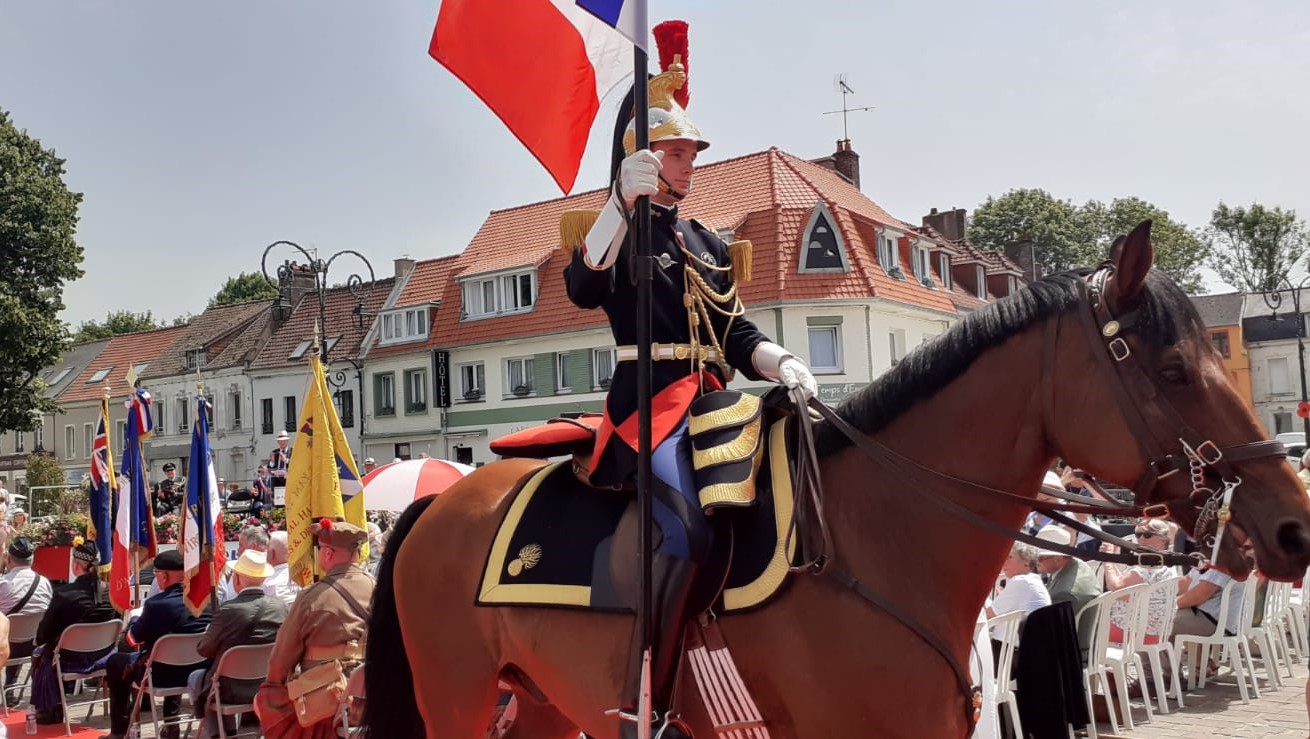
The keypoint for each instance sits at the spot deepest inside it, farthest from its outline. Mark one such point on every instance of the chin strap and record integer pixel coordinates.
(665, 187)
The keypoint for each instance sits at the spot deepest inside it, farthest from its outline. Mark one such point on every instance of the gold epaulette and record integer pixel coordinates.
(739, 252)
(573, 228)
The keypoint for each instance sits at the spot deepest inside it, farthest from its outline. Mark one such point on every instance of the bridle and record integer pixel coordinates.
(1208, 465)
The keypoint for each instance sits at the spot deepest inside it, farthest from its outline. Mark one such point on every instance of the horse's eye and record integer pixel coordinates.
(1174, 374)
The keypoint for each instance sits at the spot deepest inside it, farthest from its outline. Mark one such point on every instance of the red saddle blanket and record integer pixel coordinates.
(554, 438)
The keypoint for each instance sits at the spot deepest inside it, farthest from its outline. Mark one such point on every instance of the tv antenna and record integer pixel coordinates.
(839, 85)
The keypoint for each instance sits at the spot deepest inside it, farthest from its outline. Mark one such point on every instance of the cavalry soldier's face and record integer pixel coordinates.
(679, 161)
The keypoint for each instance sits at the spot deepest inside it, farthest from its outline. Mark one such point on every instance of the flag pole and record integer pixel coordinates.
(206, 515)
(644, 270)
(313, 540)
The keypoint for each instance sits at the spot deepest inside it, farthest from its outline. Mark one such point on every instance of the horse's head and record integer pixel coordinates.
(1137, 394)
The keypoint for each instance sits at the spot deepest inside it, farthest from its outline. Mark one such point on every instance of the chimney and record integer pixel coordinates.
(403, 266)
(847, 162)
(952, 225)
(294, 281)
(1024, 254)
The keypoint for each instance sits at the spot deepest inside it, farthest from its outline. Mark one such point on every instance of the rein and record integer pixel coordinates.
(1134, 392)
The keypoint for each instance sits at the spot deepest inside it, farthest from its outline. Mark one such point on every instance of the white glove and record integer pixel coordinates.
(780, 365)
(639, 174)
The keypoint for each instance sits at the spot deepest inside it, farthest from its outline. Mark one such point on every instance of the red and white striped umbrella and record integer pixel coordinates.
(392, 487)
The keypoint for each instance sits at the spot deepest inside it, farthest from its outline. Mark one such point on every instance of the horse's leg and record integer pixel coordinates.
(537, 720)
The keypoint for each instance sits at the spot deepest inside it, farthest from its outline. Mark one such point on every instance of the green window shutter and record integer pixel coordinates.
(543, 374)
(580, 366)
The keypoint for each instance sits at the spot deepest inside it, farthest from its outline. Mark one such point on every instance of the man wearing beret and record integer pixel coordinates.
(328, 622)
(163, 614)
(84, 600)
(22, 592)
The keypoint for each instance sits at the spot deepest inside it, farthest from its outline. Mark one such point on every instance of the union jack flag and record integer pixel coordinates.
(104, 484)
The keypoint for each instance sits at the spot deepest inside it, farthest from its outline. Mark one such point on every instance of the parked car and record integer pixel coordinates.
(1295, 443)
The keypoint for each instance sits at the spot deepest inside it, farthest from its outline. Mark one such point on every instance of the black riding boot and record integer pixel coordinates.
(670, 588)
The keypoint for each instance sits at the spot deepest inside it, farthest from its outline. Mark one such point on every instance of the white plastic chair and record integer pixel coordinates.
(248, 662)
(1006, 627)
(1166, 590)
(176, 650)
(87, 638)
(1269, 635)
(1235, 648)
(22, 628)
(1105, 657)
(1299, 619)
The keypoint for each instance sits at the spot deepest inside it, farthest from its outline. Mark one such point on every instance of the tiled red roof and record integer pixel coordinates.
(766, 197)
(341, 322)
(123, 352)
(212, 331)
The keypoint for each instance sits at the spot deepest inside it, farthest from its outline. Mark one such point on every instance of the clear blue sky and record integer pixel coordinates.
(201, 132)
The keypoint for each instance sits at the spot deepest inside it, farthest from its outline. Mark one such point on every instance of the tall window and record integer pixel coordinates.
(889, 255)
(266, 415)
(345, 407)
(88, 438)
(922, 272)
(70, 442)
(39, 439)
(518, 376)
(944, 269)
(517, 292)
(981, 277)
(120, 431)
(1011, 284)
(1220, 339)
(1279, 380)
(289, 406)
(602, 364)
(416, 391)
(18, 442)
(472, 381)
(563, 381)
(234, 402)
(384, 394)
(183, 413)
(896, 343)
(1282, 423)
(825, 349)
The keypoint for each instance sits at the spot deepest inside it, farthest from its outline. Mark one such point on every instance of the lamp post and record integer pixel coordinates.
(1274, 298)
(287, 273)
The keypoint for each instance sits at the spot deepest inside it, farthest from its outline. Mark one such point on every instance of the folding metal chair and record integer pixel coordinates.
(86, 638)
(22, 628)
(175, 650)
(238, 663)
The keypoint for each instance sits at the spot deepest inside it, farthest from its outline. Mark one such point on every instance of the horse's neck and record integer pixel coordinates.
(985, 427)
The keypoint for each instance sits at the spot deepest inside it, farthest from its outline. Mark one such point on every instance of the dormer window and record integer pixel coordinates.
(944, 269)
(410, 324)
(195, 359)
(824, 249)
(1011, 284)
(922, 265)
(981, 277)
(485, 297)
(889, 254)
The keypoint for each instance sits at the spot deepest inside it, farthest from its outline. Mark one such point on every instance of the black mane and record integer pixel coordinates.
(1165, 315)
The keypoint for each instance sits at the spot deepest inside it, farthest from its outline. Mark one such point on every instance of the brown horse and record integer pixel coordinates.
(994, 401)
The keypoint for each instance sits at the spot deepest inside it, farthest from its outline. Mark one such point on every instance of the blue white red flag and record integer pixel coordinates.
(542, 66)
(628, 17)
(104, 484)
(134, 521)
(203, 554)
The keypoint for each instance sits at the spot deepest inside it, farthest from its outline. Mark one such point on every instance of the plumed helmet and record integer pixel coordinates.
(668, 119)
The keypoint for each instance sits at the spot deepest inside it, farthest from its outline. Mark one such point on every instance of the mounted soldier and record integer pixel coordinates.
(700, 338)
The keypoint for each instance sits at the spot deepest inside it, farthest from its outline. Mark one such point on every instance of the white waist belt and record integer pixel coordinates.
(670, 352)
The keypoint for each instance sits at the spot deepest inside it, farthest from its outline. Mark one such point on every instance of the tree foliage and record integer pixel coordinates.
(1179, 251)
(116, 323)
(1066, 235)
(44, 469)
(38, 255)
(244, 287)
(1253, 247)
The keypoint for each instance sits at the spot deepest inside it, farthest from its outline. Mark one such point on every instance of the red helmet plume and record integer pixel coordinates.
(671, 40)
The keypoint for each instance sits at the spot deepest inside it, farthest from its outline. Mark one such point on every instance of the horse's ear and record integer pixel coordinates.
(1132, 256)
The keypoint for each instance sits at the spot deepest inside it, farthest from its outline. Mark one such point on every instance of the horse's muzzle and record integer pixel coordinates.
(1293, 539)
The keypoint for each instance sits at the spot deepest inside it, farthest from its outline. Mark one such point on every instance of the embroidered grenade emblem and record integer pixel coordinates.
(709, 259)
(528, 558)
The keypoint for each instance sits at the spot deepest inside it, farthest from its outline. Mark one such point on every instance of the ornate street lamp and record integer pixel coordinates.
(1274, 298)
(359, 289)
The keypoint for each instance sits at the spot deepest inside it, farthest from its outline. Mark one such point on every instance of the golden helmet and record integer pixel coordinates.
(668, 120)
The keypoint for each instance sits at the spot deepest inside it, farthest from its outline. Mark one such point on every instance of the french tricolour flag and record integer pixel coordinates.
(542, 66)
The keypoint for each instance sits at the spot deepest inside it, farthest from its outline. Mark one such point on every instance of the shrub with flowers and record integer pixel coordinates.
(56, 531)
(168, 528)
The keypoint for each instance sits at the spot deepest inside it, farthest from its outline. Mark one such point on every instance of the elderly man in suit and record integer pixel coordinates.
(251, 617)
(1068, 578)
(163, 614)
